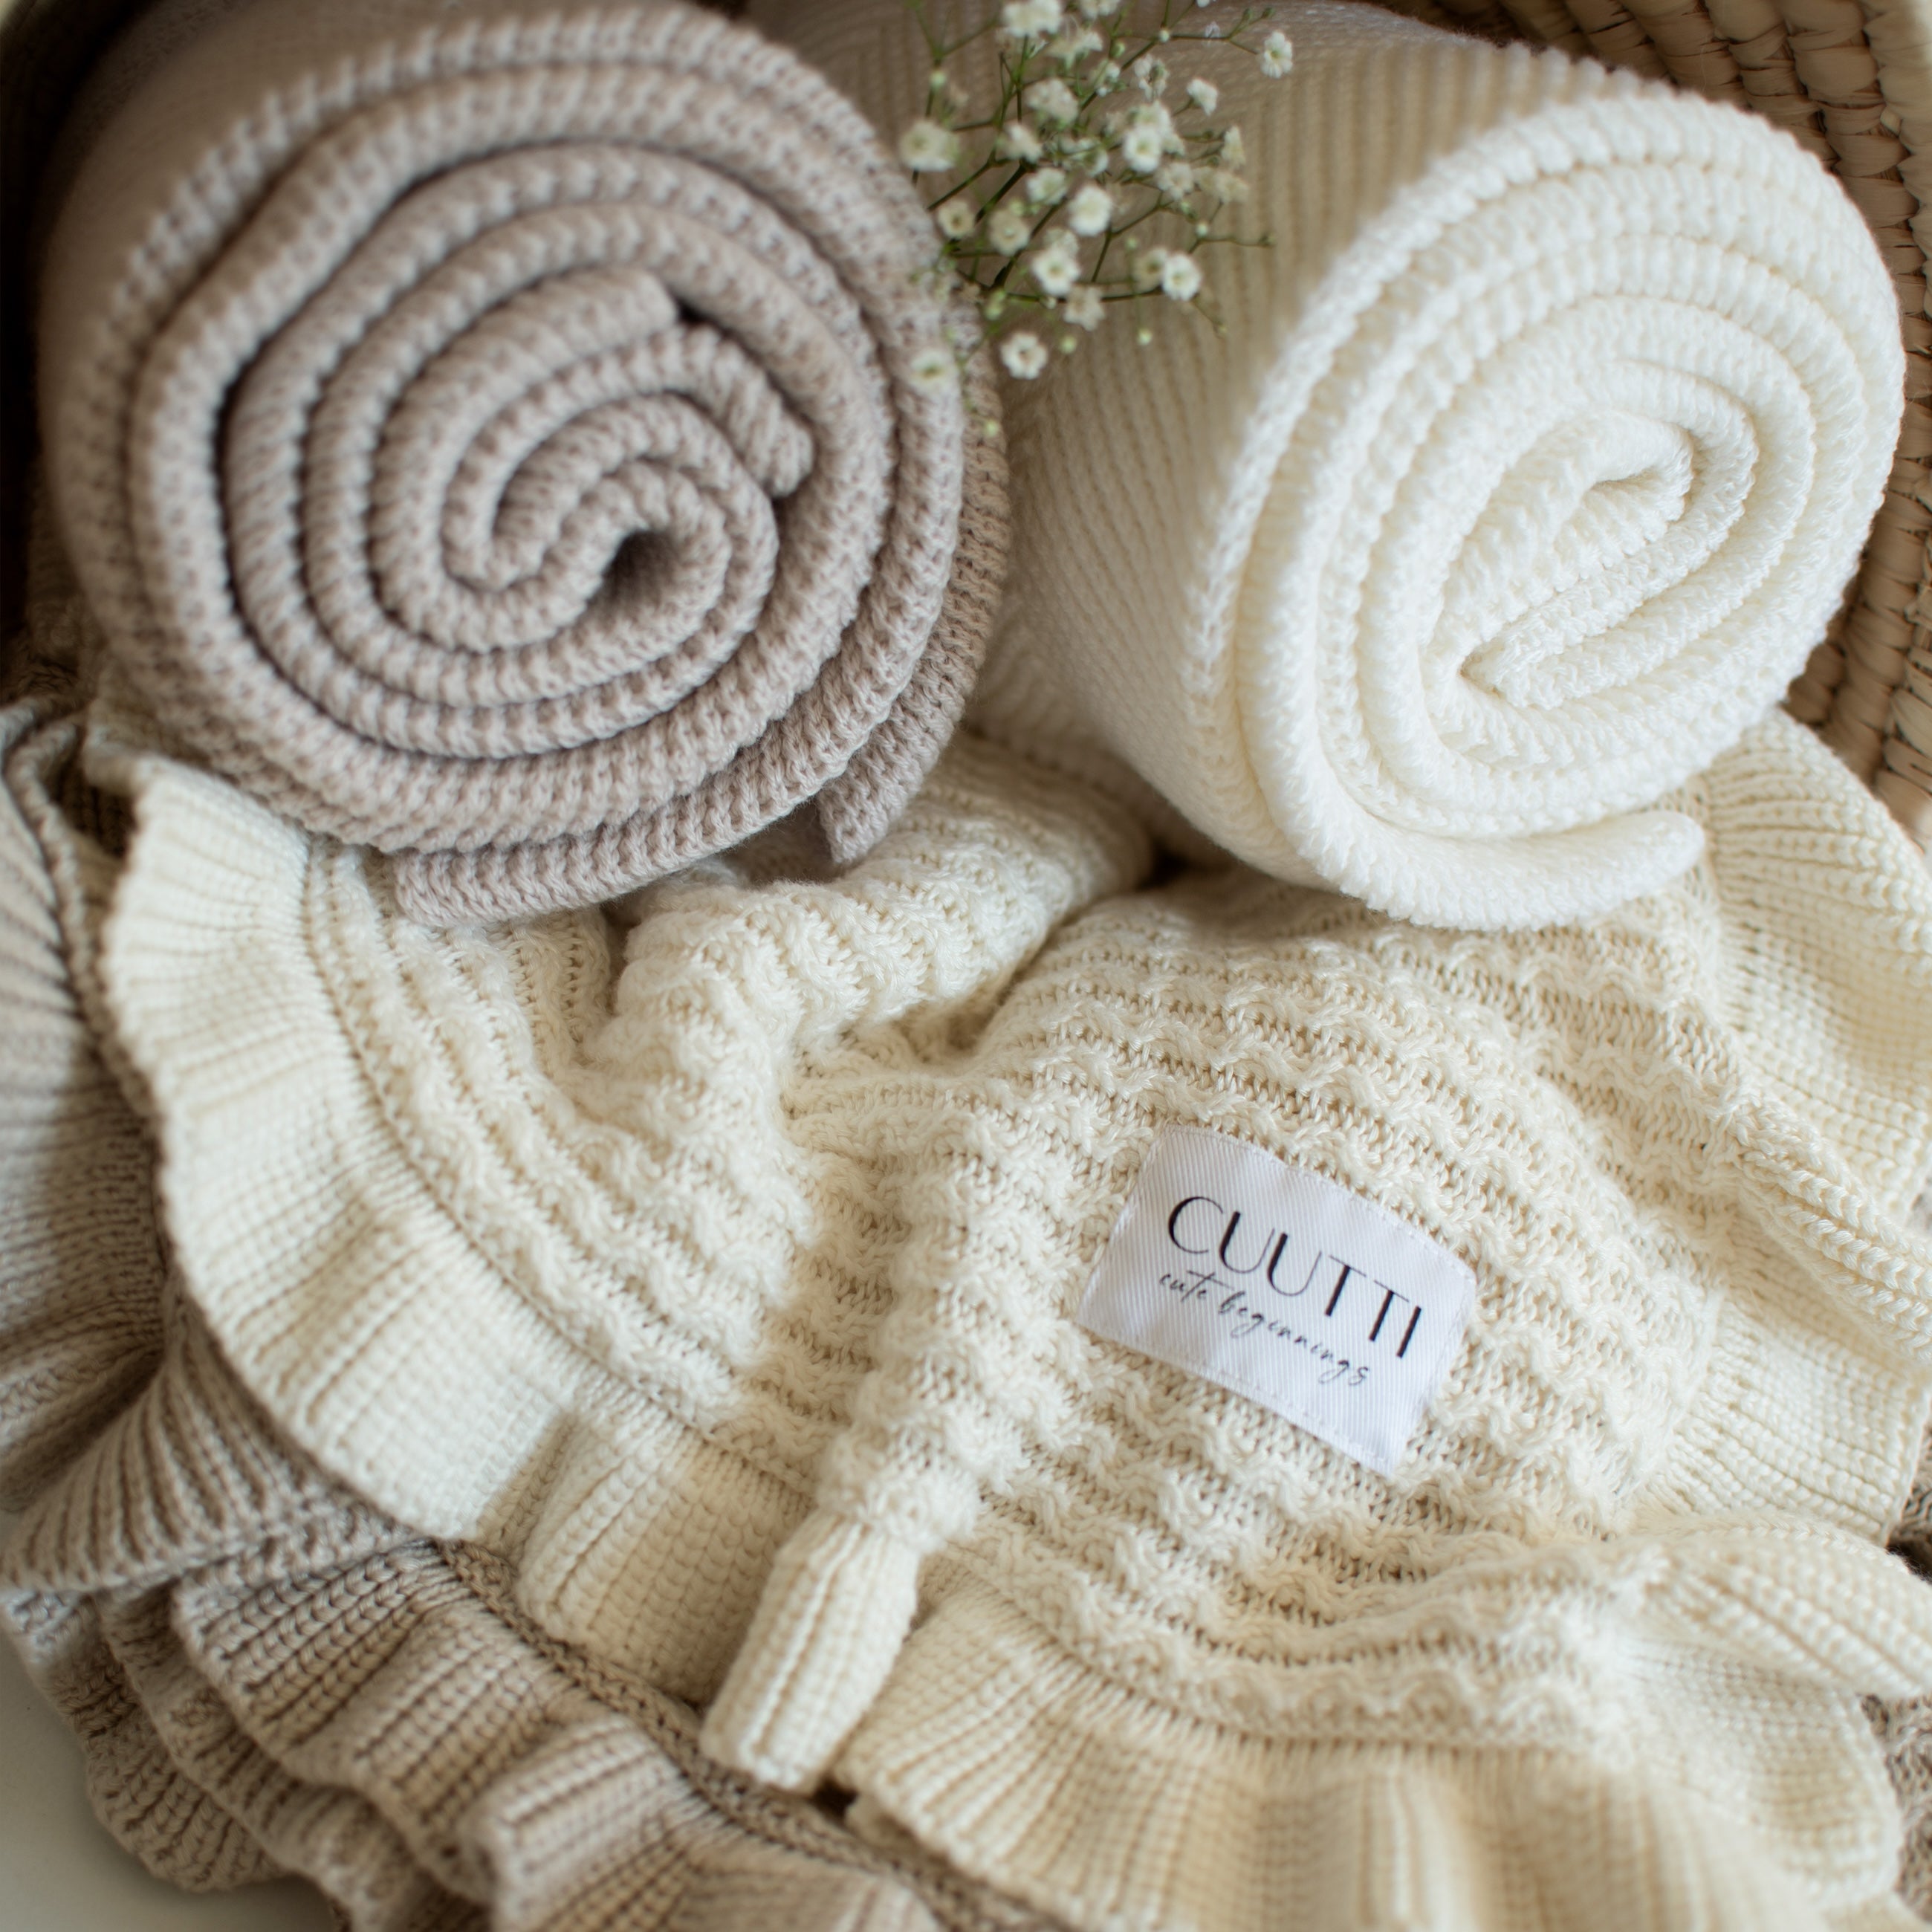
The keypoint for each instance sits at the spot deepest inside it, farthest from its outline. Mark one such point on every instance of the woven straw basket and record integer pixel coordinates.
(1852, 80)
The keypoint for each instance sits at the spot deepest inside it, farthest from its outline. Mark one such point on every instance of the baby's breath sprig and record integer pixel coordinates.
(1044, 222)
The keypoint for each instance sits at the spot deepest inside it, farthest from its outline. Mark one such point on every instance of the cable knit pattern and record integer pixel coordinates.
(1195, 1629)
(621, 1277)
(490, 433)
(1533, 461)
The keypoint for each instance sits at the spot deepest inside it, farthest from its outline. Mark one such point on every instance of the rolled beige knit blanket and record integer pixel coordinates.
(490, 434)
(1528, 466)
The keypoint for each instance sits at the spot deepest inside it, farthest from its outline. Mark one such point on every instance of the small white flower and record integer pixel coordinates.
(1146, 267)
(1023, 354)
(1149, 137)
(1098, 10)
(935, 369)
(1085, 307)
(928, 149)
(1091, 210)
(1046, 188)
(1174, 179)
(1212, 32)
(1204, 94)
(1152, 77)
(1076, 45)
(956, 217)
(1180, 277)
(1223, 184)
(1277, 55)
(1030, 19)
(1018, 143)
(1142, 149)
(1053, 102)
(1010, 229)
(1233, 149)
(1056, 267)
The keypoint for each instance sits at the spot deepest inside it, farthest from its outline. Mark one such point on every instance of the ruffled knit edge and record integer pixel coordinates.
(337, 1238)
(266, 1676)
(1028, 1770)
(520, 1442)
(78, 1327)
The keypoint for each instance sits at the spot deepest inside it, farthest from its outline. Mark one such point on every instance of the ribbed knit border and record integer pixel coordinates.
(522, 1443)
(1030, 1770)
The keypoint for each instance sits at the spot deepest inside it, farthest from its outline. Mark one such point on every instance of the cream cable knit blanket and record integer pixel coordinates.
(1534, 458)
(488, 431)
(728, 1293)
(266, 1675)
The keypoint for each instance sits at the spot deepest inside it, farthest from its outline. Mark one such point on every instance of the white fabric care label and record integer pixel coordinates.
(1281, 1285)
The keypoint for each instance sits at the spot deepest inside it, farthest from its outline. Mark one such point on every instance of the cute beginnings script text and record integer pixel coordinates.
(1274, 1282)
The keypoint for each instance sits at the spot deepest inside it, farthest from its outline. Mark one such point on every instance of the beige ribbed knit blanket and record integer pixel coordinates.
(489, 433)
(1531, 462)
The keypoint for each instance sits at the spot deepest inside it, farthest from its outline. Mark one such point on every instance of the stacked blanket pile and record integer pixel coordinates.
(1276, 1288)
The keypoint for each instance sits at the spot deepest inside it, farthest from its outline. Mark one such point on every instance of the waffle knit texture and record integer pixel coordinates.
(1532, 462)
(489, 431)
(266, 1675)
(725, 1292)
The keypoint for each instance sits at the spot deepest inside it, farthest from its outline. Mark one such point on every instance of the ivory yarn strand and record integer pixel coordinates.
(490, 433)
(1533, 463)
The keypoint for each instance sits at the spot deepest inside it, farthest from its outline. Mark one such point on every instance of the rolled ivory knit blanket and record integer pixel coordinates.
(493, 434)
(1532, 460)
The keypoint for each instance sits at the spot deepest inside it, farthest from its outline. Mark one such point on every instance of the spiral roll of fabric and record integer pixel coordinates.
(1531, 460)
(495, 435)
